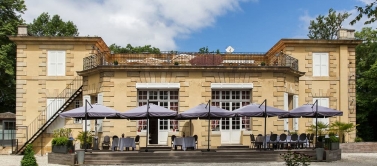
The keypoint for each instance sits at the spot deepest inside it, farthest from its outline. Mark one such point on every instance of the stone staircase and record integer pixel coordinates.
(160, 157)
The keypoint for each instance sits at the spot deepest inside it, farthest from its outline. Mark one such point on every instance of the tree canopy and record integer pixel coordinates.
(44, 25)
(366, 87)
(326, 27)
(130, 49)
(369, 10)
(10, 18)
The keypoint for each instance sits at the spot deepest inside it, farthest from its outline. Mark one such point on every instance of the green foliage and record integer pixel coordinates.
(44, 25)
(29, 158)
(334, 139)
(295, 159)
(369, 11)
(366, 87)
(322, 128)
(60, 141)
(10, 18)
(326, 27)
(62, 132)
(341, 127)
(263, 63)
(115, 62)
(134, 50)
(203, 50)
(176, 63)
(358, 139)
(81, 137)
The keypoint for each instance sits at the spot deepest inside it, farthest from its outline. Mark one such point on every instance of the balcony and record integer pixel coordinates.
(190, 60)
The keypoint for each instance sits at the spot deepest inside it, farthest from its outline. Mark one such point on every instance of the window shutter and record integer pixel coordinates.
(60, 63)
(286, 108)
(324, 64)
(316, 64)
(99, 121)
(295, 105)
(325, 103)
(51, 65)
(86, 97)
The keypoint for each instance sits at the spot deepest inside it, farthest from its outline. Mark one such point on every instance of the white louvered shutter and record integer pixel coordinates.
(316, 64)
(86, 97)
(51, 63)
(60, 63)
(324, 102)
(295, 105)
(324, 64)
(286, 108)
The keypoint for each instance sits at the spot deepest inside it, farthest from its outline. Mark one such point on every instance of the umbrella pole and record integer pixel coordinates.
(265, 123)
(147, 138)
(209, 123)
(190, 127)
(86, 118)
(316, 122)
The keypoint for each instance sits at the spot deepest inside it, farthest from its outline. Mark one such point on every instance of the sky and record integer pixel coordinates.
(187, 25)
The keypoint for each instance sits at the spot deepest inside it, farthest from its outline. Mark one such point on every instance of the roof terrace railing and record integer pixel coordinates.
(188, 59)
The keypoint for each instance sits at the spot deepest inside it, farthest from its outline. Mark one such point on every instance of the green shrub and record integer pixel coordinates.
(295, 159)
(60, 141)
(358, 139)
(29, 158)
(334, 139)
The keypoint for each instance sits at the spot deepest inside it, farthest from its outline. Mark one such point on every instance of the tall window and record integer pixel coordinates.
(56, 63)
(164, 98)
(231, 100)
(320, 64)
(77, 105)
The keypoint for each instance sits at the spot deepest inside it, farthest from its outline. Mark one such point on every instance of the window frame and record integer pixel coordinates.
(321, 64)
(53, 70)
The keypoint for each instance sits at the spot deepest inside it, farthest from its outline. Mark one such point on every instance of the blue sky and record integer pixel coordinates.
(246, 25)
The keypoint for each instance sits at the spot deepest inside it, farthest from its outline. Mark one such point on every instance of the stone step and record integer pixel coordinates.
(232, 146)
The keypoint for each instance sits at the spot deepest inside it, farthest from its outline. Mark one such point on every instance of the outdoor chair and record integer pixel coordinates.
(137, 139)
(172, 140)
(311, 139)
(302, 140)
(259, 141)
(282, 141)
(106, 143)
(196, 141)
(115, 143)
(294, 141)
(273, 140)
(252, 141)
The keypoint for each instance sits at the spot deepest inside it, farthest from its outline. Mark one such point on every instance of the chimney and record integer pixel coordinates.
(346, 34)
(22, 30)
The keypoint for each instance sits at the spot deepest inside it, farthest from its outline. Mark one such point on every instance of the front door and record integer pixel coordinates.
(230, 127)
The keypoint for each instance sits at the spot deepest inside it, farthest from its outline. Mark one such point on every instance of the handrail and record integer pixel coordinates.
(51, 110)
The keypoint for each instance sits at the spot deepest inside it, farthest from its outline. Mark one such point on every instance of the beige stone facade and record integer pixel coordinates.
(285, 82)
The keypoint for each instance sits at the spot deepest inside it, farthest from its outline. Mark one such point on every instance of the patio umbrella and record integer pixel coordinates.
(308, 111)
(148, 111)
(257, 110)
(95, 111)
(205, 111)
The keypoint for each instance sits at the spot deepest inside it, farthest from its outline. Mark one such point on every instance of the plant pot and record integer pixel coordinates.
(88, 146)
(60, 149)
(319, 153)
(80, 156)
(334, 146)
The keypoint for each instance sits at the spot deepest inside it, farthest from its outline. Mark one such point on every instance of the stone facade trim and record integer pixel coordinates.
(232, 85)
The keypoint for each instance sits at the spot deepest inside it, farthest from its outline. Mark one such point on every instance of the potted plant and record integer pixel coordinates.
(88, 136)
(115, 62)
(263, 64)
(334, 142)
(61, 142)
(322, 131)
(176, 63)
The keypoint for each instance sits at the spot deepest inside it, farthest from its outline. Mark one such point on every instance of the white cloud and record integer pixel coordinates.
(138, 22)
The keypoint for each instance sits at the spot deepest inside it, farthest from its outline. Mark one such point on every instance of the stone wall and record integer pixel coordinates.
(60, 158)
(333, 155)
(359, 147)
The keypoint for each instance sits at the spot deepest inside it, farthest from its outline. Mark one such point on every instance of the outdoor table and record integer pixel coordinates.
(125, 143)
(185, 142)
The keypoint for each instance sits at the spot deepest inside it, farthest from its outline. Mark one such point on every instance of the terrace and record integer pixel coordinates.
(191, 60)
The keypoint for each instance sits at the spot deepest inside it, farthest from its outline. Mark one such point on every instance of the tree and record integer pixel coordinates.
(341, 128)
(29, 159)
(366, 87)
(369, 11)
(133, 50)
(326, 27)
(55, 26)
(10, 18)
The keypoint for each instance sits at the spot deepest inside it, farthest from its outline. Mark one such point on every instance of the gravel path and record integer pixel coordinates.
(348, 159)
